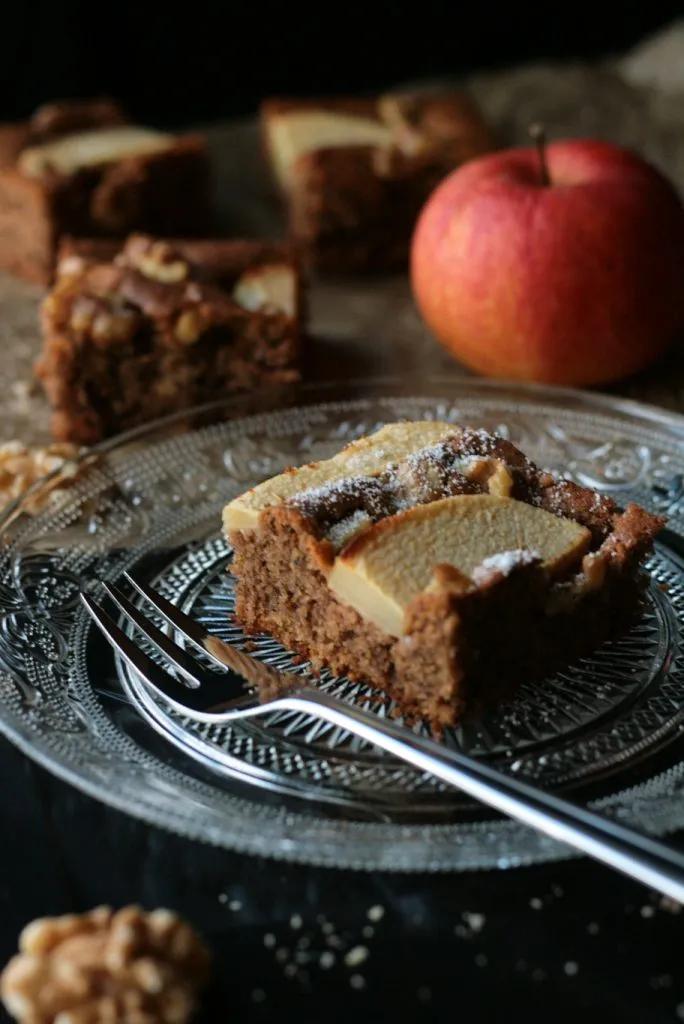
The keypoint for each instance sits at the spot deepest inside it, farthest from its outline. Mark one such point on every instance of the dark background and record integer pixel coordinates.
(184, 62)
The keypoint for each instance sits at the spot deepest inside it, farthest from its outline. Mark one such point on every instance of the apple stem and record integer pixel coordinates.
(538, 136)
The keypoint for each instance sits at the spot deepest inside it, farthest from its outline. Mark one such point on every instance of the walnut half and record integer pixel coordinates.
(106, 967)
(22, 466)
(158, 261)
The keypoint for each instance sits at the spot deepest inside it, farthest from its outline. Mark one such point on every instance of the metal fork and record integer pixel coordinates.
(206, 695)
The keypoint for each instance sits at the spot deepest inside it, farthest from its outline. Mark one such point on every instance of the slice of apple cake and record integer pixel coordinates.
(354, 173)
(436, 563)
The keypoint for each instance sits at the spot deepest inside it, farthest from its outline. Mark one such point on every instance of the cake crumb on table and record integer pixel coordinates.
(475, 922)
(355, 956)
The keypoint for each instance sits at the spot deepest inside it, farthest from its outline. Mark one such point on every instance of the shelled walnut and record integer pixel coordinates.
(106, 967)
(21, 466)
(157, 260)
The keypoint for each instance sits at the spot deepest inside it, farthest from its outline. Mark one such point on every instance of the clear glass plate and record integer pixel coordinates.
(291, 787)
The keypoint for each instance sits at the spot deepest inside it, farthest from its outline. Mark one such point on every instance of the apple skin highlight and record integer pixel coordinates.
(578, 283)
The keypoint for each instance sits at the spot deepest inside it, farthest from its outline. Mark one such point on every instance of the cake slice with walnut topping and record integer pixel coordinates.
(436, 563)
(142, 331)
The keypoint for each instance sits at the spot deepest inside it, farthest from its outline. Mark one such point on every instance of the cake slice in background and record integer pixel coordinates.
(436, 563)
(81, 168)
(155, 327)
(354, 173)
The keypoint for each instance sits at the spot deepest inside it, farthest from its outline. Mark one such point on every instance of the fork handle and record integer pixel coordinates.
(642, 857)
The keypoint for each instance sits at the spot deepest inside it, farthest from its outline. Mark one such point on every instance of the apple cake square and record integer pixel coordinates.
(139, 330)
(354, 173)
(80, 167)
(436, 563)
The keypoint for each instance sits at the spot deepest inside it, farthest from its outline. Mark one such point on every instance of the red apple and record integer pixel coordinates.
(575, 280)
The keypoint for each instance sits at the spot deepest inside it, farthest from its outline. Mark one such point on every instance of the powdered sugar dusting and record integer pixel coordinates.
(459, 462)
(345, 506)
(505, 562)
(341, 498)
(345, 530)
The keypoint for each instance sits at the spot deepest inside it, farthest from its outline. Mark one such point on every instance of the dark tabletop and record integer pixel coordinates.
(562, 942)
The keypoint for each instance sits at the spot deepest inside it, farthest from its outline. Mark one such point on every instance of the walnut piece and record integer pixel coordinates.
(158, 261)
(189, 326)
(21, 466)
(106, 967)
